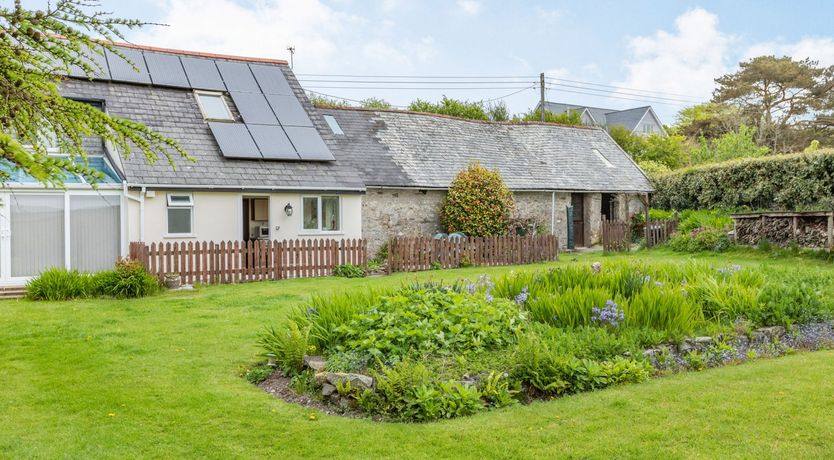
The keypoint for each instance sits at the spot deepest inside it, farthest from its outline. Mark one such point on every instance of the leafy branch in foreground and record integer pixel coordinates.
(37, 50)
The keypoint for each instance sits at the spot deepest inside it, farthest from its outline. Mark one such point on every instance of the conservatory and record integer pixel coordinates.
(78, 227)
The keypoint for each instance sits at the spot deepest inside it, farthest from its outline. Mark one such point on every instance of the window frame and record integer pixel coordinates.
(319, 216)
(179, 205)
(197, 95)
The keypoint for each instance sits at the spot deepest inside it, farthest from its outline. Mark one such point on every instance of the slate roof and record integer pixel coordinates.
(174, 112)
(628, 118)
(406, 149)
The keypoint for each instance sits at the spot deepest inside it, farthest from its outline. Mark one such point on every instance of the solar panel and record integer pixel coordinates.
(238, 77)
(234, 140)
(289, 110)
(253, 108)
(166, 69)
(273, 142)
(202, 74)
(308, 143)
(100, 71)
(271, 79)
(121, 70)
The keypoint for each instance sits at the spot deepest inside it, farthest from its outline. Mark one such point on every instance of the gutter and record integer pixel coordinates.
(243, 188)
(141, 200)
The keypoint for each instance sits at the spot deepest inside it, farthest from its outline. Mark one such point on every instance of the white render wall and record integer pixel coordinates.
(218, 216)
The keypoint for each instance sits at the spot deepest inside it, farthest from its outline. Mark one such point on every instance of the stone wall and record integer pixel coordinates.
(388, 213)
(592, 218)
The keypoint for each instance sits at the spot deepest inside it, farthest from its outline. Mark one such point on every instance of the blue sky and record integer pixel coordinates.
(672, 48)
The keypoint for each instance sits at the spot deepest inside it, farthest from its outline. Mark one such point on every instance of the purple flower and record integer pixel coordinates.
(596, 266)
(522, 296)
(489, 298)
(611, 315)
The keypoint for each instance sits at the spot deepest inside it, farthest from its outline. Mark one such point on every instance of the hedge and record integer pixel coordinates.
(780, 182)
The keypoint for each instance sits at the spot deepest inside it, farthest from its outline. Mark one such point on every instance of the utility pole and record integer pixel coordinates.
(541, 99)
(291, 49)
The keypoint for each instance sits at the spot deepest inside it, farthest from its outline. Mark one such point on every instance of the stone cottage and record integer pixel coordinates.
(407, 161)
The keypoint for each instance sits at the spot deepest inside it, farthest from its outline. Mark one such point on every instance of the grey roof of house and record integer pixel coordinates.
(628, 118)
(173, 112)
(405, 149)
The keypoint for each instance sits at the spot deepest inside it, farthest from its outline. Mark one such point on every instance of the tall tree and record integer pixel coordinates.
(38, 48)
(777, 95)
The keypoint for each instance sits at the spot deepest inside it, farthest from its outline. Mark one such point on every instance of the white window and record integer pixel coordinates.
(214, 106)
(647, 128)
(321, 213)
(180, 214)
(334, 125)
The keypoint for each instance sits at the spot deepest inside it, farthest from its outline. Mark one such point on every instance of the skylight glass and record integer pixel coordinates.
(602, 157)
(214, 106)
(334, 125)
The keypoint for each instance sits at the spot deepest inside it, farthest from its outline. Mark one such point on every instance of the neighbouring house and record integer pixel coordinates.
(408, 160)
(265, 166)
(639, 120)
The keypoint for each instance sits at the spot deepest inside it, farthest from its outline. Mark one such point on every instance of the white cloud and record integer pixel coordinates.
(684, 61)
(549, 15)
(469, 7)
(326, 40)
(817, 48)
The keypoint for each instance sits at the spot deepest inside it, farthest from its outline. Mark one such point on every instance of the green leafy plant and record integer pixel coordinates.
(258, 374)
(451, 107)
(287, 345)
(61, 284)
(349, 271)
(477, 203)
(414, 322)
(128, 280)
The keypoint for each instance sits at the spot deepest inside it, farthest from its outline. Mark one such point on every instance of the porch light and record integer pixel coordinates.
(288, 209)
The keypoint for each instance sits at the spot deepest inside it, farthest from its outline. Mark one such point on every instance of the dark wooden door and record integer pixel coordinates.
(578, 203)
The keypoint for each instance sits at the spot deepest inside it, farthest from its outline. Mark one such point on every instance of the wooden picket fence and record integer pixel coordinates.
(419, 253)
(616, 235)
(240, 261)
(659, 231)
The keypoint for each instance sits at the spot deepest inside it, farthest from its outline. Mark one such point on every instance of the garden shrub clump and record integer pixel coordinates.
(440, 351)
(127, 280)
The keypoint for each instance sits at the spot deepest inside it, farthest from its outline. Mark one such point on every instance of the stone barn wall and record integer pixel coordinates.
(390, 212)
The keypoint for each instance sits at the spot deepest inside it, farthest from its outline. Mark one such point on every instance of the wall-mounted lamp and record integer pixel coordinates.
(288, 209)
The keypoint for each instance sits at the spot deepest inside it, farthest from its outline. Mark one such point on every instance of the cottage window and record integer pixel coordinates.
(214, 106)
(180, 214)
(321, 213)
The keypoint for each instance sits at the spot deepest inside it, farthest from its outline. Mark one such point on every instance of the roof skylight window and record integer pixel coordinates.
(334, 125)
(214, 106)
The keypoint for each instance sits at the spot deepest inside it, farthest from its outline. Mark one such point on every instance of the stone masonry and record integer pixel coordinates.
(404, 212)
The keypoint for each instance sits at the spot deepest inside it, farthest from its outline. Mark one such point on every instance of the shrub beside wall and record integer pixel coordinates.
(788, 182)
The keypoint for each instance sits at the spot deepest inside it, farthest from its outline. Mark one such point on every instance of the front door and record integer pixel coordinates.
(578, 202)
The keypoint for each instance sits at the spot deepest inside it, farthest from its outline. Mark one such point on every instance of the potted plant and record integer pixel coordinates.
(172, 280)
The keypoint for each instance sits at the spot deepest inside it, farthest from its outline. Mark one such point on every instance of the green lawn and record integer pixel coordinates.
(159, 377)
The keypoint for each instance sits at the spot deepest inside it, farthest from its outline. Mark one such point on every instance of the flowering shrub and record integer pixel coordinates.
(610, 315)
(478, 203)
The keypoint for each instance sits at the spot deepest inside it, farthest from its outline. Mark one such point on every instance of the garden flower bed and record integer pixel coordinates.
(429, 351)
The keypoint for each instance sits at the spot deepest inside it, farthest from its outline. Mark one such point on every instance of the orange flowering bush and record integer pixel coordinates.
(478, 203)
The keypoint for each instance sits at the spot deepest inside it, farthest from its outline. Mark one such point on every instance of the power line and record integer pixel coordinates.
(661, 98)
(419, 87)
(618, 87)
(528, 77)
(508, 95)
(613, 96)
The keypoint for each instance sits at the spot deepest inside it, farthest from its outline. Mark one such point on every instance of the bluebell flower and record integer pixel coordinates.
(489, 298)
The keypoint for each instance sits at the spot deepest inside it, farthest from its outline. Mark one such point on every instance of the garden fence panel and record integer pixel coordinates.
(210, 262)
(420, 253)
